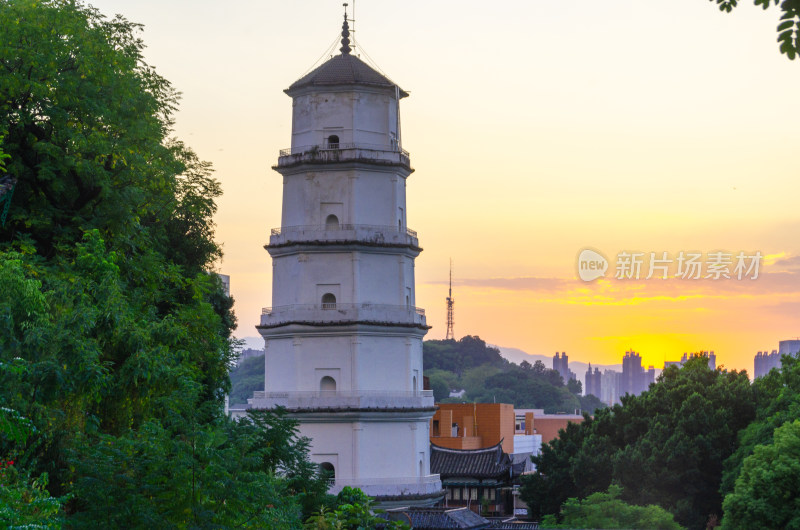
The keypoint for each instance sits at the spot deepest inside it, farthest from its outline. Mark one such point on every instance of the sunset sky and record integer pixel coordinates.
(537, 129)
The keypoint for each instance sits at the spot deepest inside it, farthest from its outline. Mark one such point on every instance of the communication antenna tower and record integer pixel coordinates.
(450, 303)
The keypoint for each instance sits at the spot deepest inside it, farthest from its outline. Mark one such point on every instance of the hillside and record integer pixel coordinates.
(246, 378)
(486, 376)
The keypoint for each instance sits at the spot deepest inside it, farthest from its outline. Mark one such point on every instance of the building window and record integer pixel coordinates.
(473, 494)
(449, 494)
(333, 142)
(327, 384)
(332, 222)
(436, 427)
(456, 494)
(326, 468)
(491, 494)
(328, 301)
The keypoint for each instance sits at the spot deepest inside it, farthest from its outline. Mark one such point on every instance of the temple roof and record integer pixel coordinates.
(446, 518)
(490, 462)
(344, 69)
(437, 518)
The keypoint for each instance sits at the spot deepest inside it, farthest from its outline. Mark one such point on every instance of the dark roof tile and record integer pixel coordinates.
(438, 518)
(343, 69)
(490, 462)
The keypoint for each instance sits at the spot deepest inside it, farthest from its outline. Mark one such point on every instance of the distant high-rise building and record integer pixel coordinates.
(633, 380)
(789, 347)
(763, 362)
(561, 365)
(610, 387)
(594, 382)
(649, 377)
(226, 283)
(712, 359)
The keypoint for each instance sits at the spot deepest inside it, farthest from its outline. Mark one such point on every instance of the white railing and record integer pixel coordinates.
(336, 312)
(375, 234)
(301, 149)
(344, 152)
(340, 399)
(325, 228)
(423, 485)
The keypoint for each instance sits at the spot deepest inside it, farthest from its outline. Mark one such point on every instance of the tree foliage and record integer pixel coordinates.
(606, 510)
(767, 492)
(459, 356)
(353, 511)
(777, 400)
(114, 336)
(246, 378)
(666, 446)
(472, 365)
(788, 26)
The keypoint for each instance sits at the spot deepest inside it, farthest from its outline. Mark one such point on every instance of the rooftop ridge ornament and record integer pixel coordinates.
(345, 49)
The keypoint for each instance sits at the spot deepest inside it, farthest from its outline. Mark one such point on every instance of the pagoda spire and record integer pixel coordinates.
(345, 49)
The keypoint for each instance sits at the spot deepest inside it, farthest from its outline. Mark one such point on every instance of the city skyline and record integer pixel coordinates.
(536, 130)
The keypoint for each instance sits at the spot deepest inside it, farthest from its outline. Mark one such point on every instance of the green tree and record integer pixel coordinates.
(606, 510)
(114, 336)
(788, 26)
(777, 400)
(24, 501)
(486, 377)
(459, 356)
(253, 473)
(440, 389)
(353, 511)
(591, 403)
(666, 446)
(246, 378)
(575, 386)
(767, 492)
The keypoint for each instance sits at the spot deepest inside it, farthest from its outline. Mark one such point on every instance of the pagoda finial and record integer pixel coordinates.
(345, 49)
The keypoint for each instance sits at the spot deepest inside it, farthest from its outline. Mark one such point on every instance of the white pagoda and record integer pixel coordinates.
(343, 336)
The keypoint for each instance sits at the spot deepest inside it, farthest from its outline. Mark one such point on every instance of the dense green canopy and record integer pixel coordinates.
(114, 334)
(666, 446)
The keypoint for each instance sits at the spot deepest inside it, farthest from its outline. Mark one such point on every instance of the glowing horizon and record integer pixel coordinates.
(536, 129)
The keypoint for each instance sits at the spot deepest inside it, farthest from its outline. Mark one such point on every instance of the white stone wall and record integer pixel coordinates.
(382, 457)
(362, 116)
(356, 362)
(528, 443)
(353, 277)
(361, 197)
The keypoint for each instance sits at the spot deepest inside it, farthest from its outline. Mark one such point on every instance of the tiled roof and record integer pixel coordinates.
(490, 462)
(438, 518)
(343, 69)
(513, 525)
